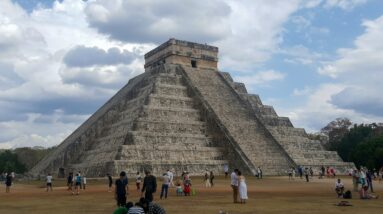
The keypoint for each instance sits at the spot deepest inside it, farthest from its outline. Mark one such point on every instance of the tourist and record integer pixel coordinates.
(8, 182)
(300, 171)
(339, 188)
(365, 195)
(121, 189)
(187, 187)
(307, 172)
(84, 182)
(179, 190)
(110, 180)
(171, 177)
(259, 171)
(138, 180)
(165, 185)
(78, 183)
(151, 208)
(207, 180)
(290, 172)
(369, 180)
(234, 184)
(79, 174)
(49, 182)
(149, 186)
(294, 172)
(355, 179)
(226, 169)
(242, 188)
(70, 182)
(328, 171)
(322, 169)
(311, 172)
(136, 209)
(211, 178)
(362, 177)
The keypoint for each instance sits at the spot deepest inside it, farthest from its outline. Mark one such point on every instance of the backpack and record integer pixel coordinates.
(347, 194)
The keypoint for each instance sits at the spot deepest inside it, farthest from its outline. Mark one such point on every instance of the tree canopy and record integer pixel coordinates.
(361, 144)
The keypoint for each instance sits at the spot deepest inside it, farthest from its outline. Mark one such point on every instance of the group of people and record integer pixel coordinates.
(238, 184)
(78, 181)
(362, 180)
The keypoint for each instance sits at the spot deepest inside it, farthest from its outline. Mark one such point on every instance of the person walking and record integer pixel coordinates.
(234, 184)
(49, 182)
(149, 186)
(78, 183)
(165, 185)
(121, 189)
(242, 188)
(70, 182)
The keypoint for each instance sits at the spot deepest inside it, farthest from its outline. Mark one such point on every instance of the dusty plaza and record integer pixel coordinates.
(267, 195)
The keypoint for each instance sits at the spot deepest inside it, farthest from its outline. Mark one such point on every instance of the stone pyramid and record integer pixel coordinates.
(184, 114)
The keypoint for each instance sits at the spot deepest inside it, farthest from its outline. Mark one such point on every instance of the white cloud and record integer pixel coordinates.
(302, 92)
(344, 4)
(260, 78)
(356, 89)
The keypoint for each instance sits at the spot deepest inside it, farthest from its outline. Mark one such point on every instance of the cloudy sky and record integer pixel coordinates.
(313, 60)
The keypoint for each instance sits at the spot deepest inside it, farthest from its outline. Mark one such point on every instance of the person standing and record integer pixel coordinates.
(226, 169)
(171, 177)
(211, 178)
(260, 176)
(242, 188)
(207, 180)
(121, 189)
(84, 182)
(138, 180)
(300, 171)
(322, 169)
(234, 184)
(49, 182)
(290, 172)
(369, 180)
(110, 180)
(165, 185)
(8, 183)
(355, 179)
(307, 172)
(149, 186)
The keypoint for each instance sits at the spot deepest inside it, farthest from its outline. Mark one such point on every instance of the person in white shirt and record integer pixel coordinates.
(234, 184)
(171, 176)
(138, 180)
(84, 182)
(165, 185)
(49, 182)
(339, 188)
(226, 170)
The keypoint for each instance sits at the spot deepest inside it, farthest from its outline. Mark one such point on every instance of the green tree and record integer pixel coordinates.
(10, 163)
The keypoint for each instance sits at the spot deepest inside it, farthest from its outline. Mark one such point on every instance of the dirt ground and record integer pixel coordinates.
(269, 195)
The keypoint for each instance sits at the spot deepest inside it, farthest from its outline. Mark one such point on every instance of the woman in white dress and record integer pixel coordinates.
(242, 188)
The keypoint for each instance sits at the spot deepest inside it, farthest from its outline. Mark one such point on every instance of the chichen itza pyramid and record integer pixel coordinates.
(184, 114)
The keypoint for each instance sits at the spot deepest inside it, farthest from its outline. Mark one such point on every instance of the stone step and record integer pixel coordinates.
(271, 120)
(156, 100)
(287, 131)
(195, 167)
(191, 127)
(175, 153)
(166, 113)
(170, 90)
(169, 79)
(266, 110)
(168, 139)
